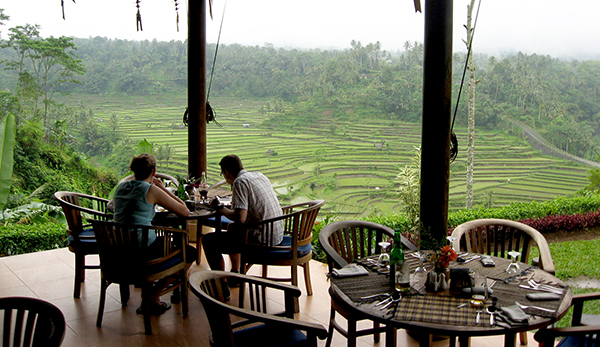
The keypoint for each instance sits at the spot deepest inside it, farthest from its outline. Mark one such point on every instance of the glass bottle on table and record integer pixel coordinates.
(399, 269)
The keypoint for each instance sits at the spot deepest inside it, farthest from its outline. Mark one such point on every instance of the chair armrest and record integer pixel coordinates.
(284, 322)
(577, 302)
(586, 296)
(290, 291)
(546, 337)
(169, 230)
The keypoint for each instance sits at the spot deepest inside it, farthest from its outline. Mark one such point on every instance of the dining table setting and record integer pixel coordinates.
(489, 296)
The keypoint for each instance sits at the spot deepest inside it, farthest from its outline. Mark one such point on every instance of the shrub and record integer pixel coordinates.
(571, 222)
(27, 238)
(560, 213)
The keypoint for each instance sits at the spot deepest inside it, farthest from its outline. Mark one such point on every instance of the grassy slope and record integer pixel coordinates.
(364, 173)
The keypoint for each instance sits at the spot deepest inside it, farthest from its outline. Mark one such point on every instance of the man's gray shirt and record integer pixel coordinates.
(252, 191)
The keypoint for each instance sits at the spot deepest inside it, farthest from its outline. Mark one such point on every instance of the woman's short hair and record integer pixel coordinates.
(142, 166)
(232, 164)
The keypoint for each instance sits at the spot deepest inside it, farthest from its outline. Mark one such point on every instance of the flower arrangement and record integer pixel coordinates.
(443, 257)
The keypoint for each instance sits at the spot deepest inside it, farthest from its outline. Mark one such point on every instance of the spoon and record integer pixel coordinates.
(396, 297)
(478, 316)
(491, 311)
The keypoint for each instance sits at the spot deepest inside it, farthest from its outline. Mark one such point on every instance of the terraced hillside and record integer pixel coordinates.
(352, 166)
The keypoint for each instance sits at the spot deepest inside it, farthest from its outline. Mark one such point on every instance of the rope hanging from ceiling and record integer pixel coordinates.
(211, 114)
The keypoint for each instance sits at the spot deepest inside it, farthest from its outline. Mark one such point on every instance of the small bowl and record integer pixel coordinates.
(477, 300)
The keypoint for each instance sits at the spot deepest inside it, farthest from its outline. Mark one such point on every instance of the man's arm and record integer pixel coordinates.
(237, 215)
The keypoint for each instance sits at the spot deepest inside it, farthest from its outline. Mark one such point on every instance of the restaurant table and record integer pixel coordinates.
(427, 314)
(203, 215)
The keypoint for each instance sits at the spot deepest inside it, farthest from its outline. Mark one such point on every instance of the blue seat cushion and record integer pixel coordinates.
(86, 245)
(262, 335)
(165, 265)
(575, 341)
(283, 254)
(224, 221)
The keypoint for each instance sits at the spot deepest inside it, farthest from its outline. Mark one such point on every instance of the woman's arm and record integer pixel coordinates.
(158, 194)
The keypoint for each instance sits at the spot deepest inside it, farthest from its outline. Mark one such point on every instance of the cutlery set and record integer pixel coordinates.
(533, 285)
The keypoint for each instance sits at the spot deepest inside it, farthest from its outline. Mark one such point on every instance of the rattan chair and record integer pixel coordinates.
(78, 208)
(576, 335)
(295, 249)
(262, 323)
(497, 237)
(124, 260)
(158, 175)
(343, 242)
(30, 322)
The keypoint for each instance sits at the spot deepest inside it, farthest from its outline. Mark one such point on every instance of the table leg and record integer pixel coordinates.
(390, 336)
(510, 340)
(426, 340)
(199, 244)
(464, 341)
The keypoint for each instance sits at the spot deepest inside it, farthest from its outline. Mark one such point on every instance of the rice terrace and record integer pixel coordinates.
(351, 163)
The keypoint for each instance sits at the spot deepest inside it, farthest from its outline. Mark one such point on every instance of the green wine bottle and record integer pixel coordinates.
(399, 270)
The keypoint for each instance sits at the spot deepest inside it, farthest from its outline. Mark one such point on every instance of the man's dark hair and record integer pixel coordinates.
(232, 164)
(142, 166)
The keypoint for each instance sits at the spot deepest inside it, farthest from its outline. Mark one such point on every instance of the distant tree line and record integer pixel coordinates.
(561, 99)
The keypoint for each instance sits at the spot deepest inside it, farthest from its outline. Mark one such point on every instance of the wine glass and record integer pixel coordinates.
(451, 239)
(513, 268)
(384, 257)
(204, 193)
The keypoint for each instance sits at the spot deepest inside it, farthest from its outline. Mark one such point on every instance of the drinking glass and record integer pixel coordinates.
(204, 194)
(384, 257)
(451, 239)
(513, 268)
(419, 276)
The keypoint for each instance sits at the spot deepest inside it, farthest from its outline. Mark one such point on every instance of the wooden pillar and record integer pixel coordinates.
(435, 147)
(197, 87)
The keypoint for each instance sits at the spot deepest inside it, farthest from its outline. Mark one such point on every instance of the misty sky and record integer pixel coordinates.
(566, 29)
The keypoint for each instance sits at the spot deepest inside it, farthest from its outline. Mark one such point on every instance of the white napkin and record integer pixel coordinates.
(350, 270)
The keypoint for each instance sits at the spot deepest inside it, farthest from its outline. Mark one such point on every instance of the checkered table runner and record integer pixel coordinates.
(438, 308)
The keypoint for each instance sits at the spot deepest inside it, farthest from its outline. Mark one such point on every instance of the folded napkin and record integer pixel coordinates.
(350, 270)
(513, 316)
(542, 296)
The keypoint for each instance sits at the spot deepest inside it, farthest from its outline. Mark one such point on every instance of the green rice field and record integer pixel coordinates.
(352, 166)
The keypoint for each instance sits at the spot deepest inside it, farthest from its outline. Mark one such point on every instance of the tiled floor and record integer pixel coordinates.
(49, 275)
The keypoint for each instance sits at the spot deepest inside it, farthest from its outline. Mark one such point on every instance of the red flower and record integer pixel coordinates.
(444, 256)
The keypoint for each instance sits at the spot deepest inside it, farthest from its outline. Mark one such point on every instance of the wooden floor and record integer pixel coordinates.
(49, 275)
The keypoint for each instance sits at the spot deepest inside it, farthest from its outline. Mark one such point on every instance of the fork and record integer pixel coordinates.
(545, 287)
(524, 307)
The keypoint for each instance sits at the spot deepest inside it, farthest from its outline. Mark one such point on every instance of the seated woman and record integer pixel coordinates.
(134, 202)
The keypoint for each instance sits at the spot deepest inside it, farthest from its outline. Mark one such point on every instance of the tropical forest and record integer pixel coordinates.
(340, 125)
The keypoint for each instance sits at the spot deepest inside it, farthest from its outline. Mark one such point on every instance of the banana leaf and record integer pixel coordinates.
(7, 151)
(144, 147)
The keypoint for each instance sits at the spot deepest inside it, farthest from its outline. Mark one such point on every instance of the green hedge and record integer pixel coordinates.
(28, 238)
(18, 239)
(586, 202)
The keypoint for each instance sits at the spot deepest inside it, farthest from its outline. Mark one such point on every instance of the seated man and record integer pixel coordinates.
(253, 200)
